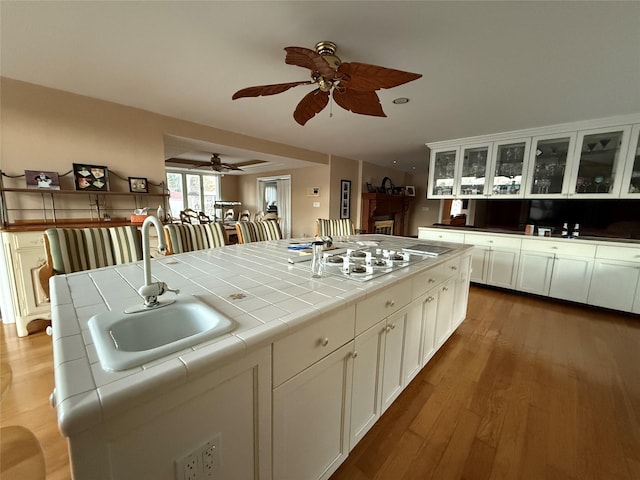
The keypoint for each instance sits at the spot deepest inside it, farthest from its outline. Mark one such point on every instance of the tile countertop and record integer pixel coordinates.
(251, 283)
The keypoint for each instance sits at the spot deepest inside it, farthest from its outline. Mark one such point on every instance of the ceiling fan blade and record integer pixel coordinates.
(356, 101)
(228, 166)
(304, 57)
(311, 104)
(362, 76)
(262, 90)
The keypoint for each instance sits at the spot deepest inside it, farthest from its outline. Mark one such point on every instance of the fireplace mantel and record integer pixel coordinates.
(376, 206)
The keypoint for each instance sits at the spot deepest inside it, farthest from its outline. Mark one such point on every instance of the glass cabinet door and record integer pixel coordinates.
(599, 170)
(548, 173)
(472, 180)
(442, 172)
(631, 180)
(509, 167)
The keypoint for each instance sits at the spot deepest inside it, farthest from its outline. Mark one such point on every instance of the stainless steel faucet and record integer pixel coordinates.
(150, 291)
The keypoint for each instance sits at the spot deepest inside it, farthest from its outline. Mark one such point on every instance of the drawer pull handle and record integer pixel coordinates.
(390, 303)
(324, 341)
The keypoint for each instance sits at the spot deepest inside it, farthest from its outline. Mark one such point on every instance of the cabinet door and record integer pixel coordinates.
(411, 357)
(508, 167)
(429, 323)
(311, 419)
(534, 272)
(479, 260)
(392, 376)
(472, 176)
(442, 172)
(367, 371)
(636, 302)
(570, 278)
(598, 162)
(444, 318)
(631, 179)
(502, 268)
(549, 171)
(462, 291)
(614, 284)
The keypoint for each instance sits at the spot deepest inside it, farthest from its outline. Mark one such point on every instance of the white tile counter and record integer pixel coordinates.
(252, 283)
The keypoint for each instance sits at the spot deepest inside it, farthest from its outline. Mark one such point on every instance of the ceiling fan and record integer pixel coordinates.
(353, 85)
(215, 163)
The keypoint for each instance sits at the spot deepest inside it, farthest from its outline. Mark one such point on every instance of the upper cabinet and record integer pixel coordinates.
(598, 161)
(474, 167)
(442, 172)
(631, 177)
(549, 167)
(589, 159)
(508, 167)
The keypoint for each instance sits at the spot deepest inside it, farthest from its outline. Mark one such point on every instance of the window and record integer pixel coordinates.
(197, 191)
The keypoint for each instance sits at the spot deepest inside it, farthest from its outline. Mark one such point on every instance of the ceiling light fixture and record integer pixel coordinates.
(401, 100)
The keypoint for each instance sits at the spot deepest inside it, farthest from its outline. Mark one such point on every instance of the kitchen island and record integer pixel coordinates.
(310, 366)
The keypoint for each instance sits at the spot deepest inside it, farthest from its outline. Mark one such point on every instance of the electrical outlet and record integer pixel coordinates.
(187, 467)
(211, 458)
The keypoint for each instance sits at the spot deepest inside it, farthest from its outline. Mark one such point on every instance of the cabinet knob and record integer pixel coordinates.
(52, 398)
(430, 299)
(445, 289)
(454, 268)
(390, 303)
(554, 248)
(490, 241)
(387, 328)
(393, 326)
(324, 341)
(354, 354)
(431, 280)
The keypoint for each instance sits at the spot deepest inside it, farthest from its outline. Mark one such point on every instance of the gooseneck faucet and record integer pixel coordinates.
(150, 291)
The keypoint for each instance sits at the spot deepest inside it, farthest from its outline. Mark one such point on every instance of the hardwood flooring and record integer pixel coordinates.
(524, 389)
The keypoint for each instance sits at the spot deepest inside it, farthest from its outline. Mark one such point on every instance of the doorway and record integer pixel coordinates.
(274, 196)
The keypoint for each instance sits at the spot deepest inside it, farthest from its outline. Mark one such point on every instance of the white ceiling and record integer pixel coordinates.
(487, 66)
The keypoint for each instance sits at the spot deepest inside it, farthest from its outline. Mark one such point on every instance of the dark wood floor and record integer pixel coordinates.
(524, 389)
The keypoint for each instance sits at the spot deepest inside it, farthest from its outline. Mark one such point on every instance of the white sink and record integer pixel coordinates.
(126, 340)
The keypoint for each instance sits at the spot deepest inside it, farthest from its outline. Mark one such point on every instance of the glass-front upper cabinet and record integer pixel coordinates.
(442, 172)
(472, 179)
(631, 179)
(510, 159)
(549, 170)
(599, 162)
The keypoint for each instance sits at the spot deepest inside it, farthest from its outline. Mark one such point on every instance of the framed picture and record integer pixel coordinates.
(138, 185)
(40, 179)
(90, 177)
(345, 199)
(410, 191)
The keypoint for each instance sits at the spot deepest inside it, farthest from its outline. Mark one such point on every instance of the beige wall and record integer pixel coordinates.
(47, 129)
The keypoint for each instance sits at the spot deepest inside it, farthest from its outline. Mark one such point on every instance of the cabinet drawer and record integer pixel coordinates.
(492, 241)
(559, 247)
(425, 281)
(627, 254)
(440, 235)
(303, 348)
(373, 309)
(27, 239)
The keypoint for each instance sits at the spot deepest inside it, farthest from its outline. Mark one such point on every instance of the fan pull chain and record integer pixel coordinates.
(331, 107)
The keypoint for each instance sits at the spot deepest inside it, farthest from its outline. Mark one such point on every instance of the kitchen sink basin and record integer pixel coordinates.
(126, 340)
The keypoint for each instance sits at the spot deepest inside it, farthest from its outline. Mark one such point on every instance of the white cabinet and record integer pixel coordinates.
(549, 167)
(443, 168)
(508, 167)
(616, 277)
(570, 278)
(534, 271)
(599, 159)
(631, 177)
(311, 419)
(440, 235)
(462, 290)
(444, 316)
(494, 259)
(25, 253)
(472, 179)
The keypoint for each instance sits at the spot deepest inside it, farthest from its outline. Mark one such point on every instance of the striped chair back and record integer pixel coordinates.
(258, 231)
(66, 249)
(332, 227)
(187, 238)
(126, 243)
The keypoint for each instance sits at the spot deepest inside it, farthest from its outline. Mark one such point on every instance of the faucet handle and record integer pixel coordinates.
(174, 290)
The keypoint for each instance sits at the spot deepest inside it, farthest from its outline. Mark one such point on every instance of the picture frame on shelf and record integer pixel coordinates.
(42, 179)
(138, 185)
(90, 177)
(410, 191)
(345, 198)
